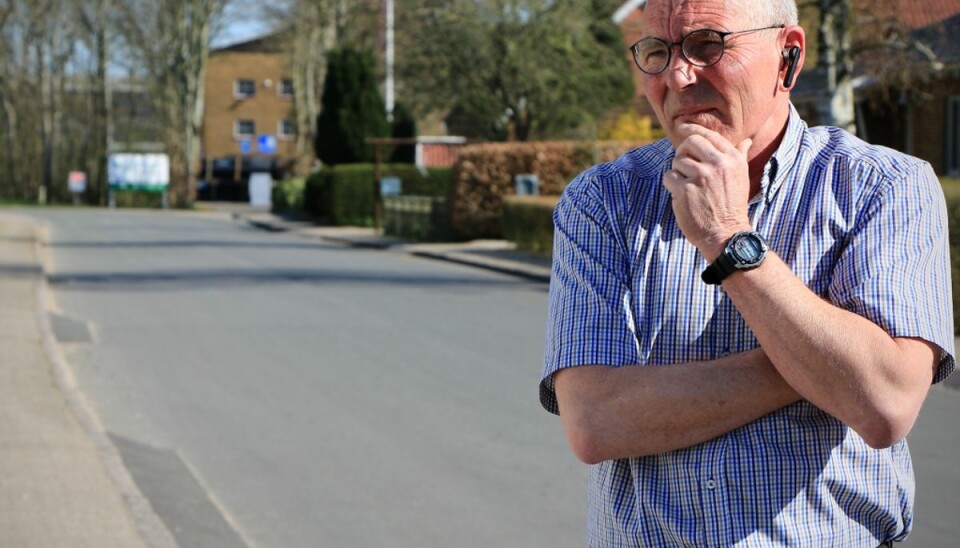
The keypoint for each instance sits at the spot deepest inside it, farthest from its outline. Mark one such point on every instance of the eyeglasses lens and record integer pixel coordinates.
(701, 48)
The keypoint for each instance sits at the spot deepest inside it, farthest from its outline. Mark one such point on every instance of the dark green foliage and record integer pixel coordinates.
(404, 126)
(351, 109)
(528, 222)
(539, 69)
(343, 194)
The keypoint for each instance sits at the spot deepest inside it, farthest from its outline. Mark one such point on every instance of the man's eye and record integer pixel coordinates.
(654, 55)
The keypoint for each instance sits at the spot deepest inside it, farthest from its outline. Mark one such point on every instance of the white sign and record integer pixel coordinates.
(77, 182)
(260, 188)
(146, 172)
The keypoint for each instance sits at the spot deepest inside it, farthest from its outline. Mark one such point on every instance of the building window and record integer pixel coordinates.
(244, 129)
(287, 129)
(953, 136)
(244, 89)
(286, 88)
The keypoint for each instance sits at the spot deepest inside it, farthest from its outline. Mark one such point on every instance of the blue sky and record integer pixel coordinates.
(241, 23)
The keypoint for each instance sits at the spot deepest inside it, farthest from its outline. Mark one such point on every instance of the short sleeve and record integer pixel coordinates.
(589, 320)
(895, 267)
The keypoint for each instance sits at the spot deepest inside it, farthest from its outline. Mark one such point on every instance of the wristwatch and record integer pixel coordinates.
(745, 250)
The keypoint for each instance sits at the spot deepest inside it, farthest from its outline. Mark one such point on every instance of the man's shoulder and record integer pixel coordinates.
(641, 163)
(833, 145)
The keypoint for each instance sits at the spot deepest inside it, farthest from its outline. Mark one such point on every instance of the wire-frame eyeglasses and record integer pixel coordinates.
(701, 48)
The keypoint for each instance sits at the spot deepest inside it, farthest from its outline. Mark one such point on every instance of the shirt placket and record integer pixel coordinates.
(713, 484)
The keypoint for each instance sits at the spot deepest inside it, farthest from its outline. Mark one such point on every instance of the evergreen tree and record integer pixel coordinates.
(351, 109)
(404, 126)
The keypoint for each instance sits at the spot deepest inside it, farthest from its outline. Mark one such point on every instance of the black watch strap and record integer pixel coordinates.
(718, 270)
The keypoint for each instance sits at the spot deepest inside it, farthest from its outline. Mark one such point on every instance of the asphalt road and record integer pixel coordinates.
(270, 391)
(266, 390)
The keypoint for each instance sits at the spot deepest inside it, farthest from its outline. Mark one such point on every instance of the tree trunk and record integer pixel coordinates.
(102, 108)
(836, 102)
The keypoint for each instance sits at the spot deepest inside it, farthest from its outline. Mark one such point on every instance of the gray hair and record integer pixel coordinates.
(778, 12)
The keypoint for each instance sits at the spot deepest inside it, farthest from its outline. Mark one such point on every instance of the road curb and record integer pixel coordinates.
(148, 524)
(503, 267)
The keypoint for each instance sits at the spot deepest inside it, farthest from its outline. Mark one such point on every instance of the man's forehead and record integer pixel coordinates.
(665, 16)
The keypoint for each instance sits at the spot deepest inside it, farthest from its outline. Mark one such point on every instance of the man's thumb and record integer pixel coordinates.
(744, 147)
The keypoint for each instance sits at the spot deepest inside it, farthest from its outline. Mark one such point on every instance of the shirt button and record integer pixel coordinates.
(711, 484)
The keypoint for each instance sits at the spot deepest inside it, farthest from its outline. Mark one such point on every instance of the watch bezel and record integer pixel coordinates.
(745, 263)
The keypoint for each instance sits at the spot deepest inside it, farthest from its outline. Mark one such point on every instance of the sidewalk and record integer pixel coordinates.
(61, 482)
(497, 255)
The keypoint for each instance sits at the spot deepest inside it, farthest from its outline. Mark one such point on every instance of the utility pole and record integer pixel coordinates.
(388, 86)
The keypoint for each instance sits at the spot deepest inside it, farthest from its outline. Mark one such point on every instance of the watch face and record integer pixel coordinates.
(748, 249)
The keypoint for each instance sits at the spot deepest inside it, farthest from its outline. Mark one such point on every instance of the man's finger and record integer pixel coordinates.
(744, 147)
(685, 166)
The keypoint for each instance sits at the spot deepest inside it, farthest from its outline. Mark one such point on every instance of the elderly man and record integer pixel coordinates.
(745, 318)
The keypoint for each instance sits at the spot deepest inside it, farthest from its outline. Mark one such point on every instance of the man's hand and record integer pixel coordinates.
(710, 186)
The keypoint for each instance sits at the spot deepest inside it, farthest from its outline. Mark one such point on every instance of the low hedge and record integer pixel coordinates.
(343, 194)
(528, 222)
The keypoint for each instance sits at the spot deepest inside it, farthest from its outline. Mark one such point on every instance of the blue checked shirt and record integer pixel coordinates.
(864, 227)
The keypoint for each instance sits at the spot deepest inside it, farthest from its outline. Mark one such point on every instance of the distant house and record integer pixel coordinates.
(248, 121)
(923, 120)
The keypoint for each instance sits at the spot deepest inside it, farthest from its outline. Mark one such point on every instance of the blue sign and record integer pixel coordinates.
(527, 184)
(390, 186)
(267, 144)
(244, 146)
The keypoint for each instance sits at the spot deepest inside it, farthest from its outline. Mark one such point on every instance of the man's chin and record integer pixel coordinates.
(683, 127)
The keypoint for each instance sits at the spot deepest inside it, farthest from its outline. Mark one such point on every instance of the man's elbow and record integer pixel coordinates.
(888, 427)
(586, 445)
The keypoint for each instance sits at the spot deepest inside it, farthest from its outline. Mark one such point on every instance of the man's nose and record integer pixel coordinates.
(680, 73)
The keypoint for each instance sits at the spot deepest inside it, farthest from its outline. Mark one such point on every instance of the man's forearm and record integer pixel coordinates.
(621, 412)
(840, 362)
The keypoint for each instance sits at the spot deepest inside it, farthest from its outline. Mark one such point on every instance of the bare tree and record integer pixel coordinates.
(94, 18)
(36, 44)
(314, 28)
(873, 35)
(171, 41)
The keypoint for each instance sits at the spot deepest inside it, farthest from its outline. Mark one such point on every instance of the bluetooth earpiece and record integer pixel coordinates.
(792, 56)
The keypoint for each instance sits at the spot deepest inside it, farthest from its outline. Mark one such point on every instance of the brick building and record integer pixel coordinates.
(248, 120)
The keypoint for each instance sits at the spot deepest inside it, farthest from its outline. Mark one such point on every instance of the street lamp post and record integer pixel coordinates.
(388, 85)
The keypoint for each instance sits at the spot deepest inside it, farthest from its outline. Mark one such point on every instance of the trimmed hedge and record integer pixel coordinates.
(343, 194)
(483, 177)
(528, 222)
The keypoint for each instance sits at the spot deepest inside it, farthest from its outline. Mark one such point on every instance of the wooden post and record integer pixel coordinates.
(377, 198)
(377, 143)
